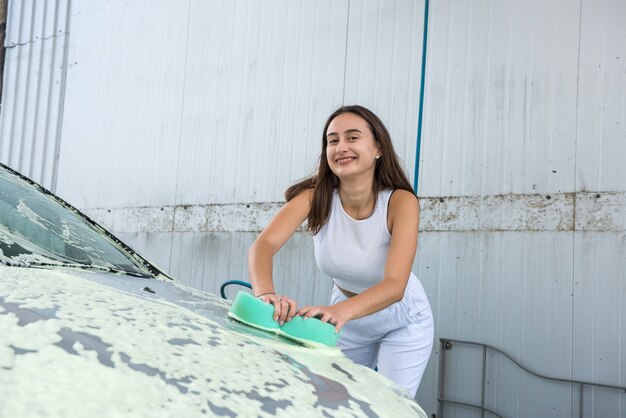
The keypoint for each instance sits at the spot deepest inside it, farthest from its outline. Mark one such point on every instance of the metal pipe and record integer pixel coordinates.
(447, 344)
(556, 379)
(580, 401)
(421, 108)
(442, 378)
(482, 392)
(495, 414)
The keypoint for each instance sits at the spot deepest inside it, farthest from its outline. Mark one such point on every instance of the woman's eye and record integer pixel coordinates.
(352, 138)
(333, 141)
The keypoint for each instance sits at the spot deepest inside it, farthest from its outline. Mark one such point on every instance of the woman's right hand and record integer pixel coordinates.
(284, 308)
(269, 241)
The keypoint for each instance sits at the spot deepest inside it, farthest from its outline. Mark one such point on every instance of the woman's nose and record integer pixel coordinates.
(342, 145)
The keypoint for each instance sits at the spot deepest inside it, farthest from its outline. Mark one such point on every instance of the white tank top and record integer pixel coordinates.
(354, 252)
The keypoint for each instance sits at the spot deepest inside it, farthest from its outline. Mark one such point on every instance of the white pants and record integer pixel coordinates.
(398, 340)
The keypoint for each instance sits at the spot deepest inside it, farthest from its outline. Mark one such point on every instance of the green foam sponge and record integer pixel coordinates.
(310, 332)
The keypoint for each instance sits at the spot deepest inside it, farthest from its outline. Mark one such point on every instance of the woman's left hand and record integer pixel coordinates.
(331, 314)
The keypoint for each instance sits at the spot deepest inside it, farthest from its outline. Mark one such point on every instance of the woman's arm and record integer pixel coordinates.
(271, 239)
(403, 223)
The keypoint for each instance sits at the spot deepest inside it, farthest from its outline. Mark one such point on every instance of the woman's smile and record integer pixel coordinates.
(345, 160)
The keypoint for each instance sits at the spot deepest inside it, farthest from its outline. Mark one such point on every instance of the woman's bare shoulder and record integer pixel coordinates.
(305, 195)
(401, 198)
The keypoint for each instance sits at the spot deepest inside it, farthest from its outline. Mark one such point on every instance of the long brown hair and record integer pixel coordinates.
(388, 173)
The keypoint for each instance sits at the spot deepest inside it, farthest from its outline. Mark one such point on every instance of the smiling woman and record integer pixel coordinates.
(351, 150)
(88, 327)
(364, 216)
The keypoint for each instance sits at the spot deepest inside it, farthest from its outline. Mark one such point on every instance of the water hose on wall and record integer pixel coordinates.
(421, 103)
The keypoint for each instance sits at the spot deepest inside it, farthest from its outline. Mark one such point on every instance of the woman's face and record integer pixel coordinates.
(351, 149)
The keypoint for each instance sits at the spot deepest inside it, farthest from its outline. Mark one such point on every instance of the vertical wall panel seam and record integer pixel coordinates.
(527, 105)
(46, 116)
(345, 57)
(446, 102)
(24, 108)
(220, 78)
(573, 283)
(394, 43)
(623, 110)
(245, 90)
(16, 86)
(406, 114)
(64, 71)
(180, 130)
(467, 91)
(377, 31)
(600, 138)
(507, 103)
(55, 40)
(311, 74)
(36, 107)
(486, 114)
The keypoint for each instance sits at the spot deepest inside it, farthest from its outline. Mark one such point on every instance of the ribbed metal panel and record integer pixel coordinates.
(599, 283)
(32, 102)
(199, 97)
(511, 290)
(383, 64)
(501, 98)
(263, 76)
(599, 309)
(123, 103)
(524, 131)
(224, 102)
(601, 139)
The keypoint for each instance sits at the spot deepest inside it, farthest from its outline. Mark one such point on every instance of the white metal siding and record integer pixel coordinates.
(383, 67)
(30, 119)
(224, 102)
(601, 119)
(599, 281)
(522, 163)
(239, 105)
(123, 103)
(501, 96)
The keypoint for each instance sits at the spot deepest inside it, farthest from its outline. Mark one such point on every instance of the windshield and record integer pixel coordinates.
(37, 230)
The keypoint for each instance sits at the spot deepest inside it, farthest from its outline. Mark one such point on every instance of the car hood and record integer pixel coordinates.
(76, 343)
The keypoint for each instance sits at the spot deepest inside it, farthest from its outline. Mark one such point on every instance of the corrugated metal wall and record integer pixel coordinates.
(599, 282)
(204, 112)
(222, 102)
(32, 97)
(524, 245)
(184, 123)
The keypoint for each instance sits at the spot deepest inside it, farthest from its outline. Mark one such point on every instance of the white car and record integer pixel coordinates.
(88, 328)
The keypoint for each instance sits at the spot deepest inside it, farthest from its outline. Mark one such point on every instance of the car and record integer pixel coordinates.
(88, 327)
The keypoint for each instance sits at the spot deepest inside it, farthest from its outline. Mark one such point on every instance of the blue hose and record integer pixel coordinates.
(229, 282)
(421, 109)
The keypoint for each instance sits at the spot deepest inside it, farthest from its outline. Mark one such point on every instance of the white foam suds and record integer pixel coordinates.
(151, 362)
